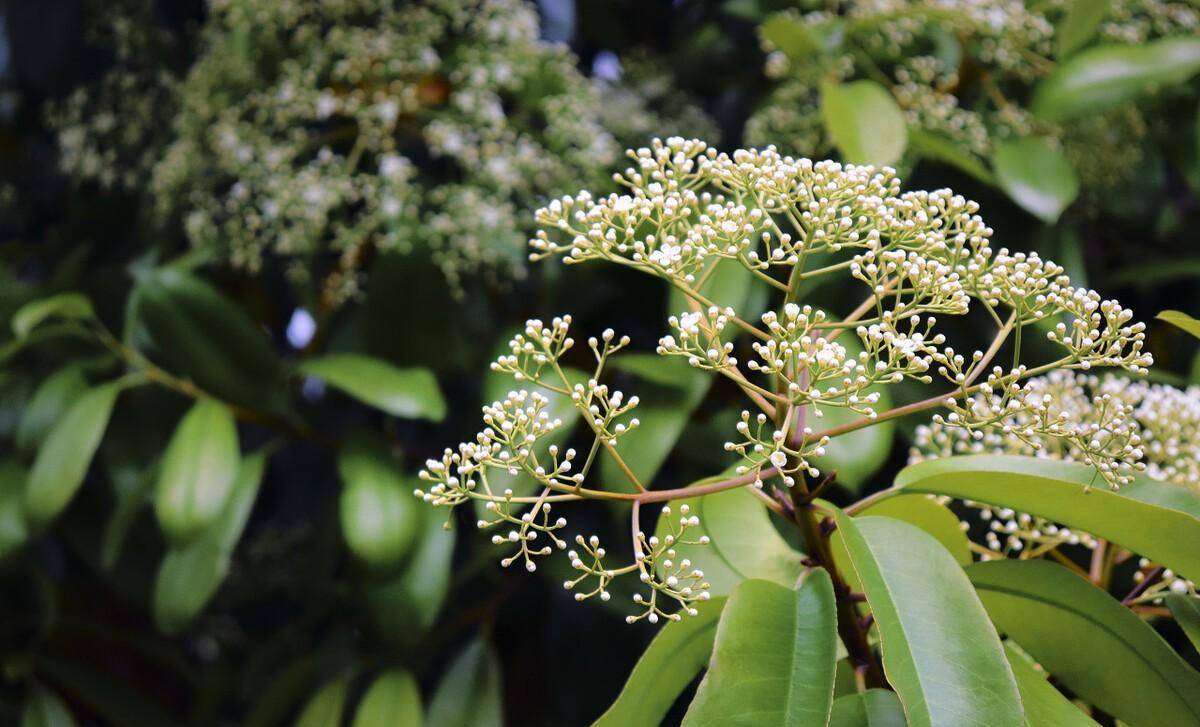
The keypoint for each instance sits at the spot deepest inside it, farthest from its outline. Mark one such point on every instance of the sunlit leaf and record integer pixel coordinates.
(1181, 320)
(864, 121)
(1037, 176)
(1079, 25)
(379, 515)
(198, 471)
(411, 393)
(392, 699)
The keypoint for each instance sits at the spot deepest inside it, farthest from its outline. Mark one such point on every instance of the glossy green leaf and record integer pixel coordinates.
(392, 699)
(1102, 77)
(1079, 25)
(1156, 519)
(198, 332)
(1182, 320)
(928, 515)
(326, 706)
(929, 145)
(198, 471)
(190, 575)
(72, 306)
(672, 660)
(13, 529)
(743, 543)
(43, 708)
(1078, 633)
(380, 517)
(411, 393)
(864, 121)
(774, 657)
(940, 652)
(469, 694)
(1044, 704)
(1036, 175)
(872, 708)
(53, 397)
(407, 604)
(1186, 610)
(64, 457)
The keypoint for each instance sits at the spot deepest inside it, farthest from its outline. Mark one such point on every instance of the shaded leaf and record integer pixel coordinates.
(669, 664)
(326, 706)
(1186, 610)
(1044, 704)
(197, 472)
(933, 146)
(1156, 519)
(407, 604)
(864, 121)
(940, 652)
(1036, 175)
(52, 398)
(872, 708)
(1079, 25)
(774, 657)
(411, 393)
(1078, 633)
(392, 699)
(13, 530)
(64, 457)
(72, 306)
(189, 576)
(469, 694)
(43, 708)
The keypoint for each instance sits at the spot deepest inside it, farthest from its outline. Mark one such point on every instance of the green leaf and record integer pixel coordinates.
(43, 708)
(198, 471)
(392, 699)
(864, 121)
(72, 306)
(1156, 519)
(469, 694)
(1186, 610)
(670, 662)
(1106, 76)
(1080, 634)
(51, 399)
(1079, 25)
(380, 517)
(774, 657)
(791, 35)
(872, 708)
(934, 146)
(189, 576)
(64, 457)
(743, 543)
(1036, 175)
(1182, 320)
(13, 530)
(940, 652)
(1044, 705)
(326, 707)
(407, 604)
(925, 513)
(198, 332)
(411, 393)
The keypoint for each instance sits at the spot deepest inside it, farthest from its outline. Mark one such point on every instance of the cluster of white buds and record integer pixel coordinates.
(527, 527)
(919, 257)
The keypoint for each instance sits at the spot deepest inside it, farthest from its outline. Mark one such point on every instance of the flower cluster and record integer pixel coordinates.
(954, 69)
(918, 257)
(1116, 423)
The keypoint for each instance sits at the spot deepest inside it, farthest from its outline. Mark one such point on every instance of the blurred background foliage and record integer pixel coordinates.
(257, 254)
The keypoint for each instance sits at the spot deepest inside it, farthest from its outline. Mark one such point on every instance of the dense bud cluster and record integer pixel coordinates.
(918, 257)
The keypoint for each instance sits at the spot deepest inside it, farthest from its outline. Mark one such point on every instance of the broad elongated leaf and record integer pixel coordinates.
(190, 575)
(380, 517)
(1037, 176)
(774, 657)
(64, 457)
(742, 542)
(326, 706)
(1158, 520)
(940, 652)
(469, 694)
(13, 530)
(1044, 705)
(198, 471)
(670, 662)
(1079, 25)
(864, 121)
(1105, 76)
(1179, 319)
(933, 146)
(1186, 611)
(1078, 632)
(872, 708)
(921, 511)
(43, 708)
(408, 603)
(197, 331)
(64, 305)
(51, 399)
(411, 393)
(392, 699)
